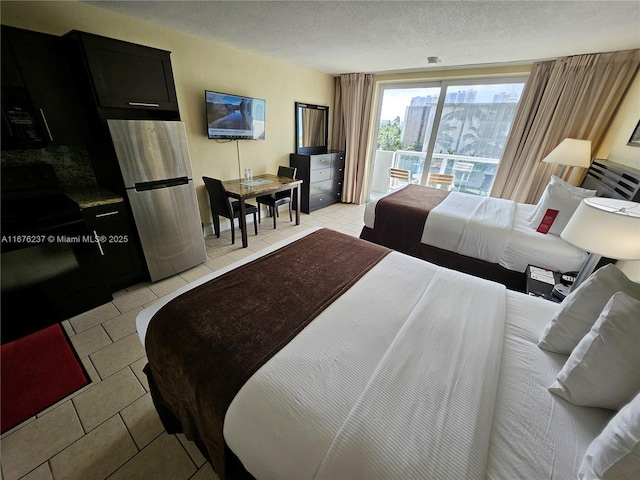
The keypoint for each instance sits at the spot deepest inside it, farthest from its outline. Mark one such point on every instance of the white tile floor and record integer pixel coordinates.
(109, 429)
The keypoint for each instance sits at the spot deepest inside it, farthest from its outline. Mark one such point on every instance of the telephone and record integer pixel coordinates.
(562, 289)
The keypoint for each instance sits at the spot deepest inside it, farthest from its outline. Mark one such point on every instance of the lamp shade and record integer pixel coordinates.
(571, 152)
(606, 227)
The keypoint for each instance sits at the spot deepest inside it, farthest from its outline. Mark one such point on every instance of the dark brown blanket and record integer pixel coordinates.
(205, 344)
(400, 217)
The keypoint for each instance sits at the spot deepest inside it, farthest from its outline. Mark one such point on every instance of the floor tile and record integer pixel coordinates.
(30, 446)
(93, 317)
(142, 421)
(205, 473)
(89, 341)
(96, 455)
(133, 299)
(118, 355)
(41, 473)
(195, 273)
(167, 285)
(137, 368)
(107, 398)
(122, 325)
(162, 459)
(193, 451)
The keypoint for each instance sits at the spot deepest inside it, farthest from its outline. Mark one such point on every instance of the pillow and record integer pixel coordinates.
(604, 369)
(557, 196)
(615, 453)
(581, 308)
(575, 191)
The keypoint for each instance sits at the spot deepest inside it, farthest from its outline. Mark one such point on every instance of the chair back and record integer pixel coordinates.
(440, 179)
(289, 172)
(218, 199)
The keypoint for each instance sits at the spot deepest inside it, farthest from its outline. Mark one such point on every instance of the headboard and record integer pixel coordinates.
(613, 180)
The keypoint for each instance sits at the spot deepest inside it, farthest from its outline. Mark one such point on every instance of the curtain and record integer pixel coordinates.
(570, 97)
(351, 122)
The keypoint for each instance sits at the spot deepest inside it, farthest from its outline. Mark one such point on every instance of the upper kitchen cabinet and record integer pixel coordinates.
(40, 105)
(127, 80)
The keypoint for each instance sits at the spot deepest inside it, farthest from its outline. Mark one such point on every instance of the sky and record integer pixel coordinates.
(396, 100)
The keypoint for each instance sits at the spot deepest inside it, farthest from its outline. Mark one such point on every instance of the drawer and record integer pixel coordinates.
(317, 201)
(319, 161)
(338, 162)
(329, 187)
(320, 175)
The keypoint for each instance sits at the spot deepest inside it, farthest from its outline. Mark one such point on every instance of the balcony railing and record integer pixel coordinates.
(471, 174)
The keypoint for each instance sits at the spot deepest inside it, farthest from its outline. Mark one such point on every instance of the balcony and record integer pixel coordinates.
(472, 175)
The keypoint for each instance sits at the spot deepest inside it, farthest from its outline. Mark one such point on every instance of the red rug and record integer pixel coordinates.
(37, 371)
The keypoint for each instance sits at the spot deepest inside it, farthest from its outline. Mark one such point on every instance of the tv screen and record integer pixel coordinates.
(234, 117)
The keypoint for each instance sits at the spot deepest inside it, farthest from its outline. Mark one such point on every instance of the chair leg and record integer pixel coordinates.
(216, 225)
(255, 224)
(259, 208)
(274, 219)
(290, 216)
(233, 232)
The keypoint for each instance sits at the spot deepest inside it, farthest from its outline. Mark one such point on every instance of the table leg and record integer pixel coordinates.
(298, 205)
(243, 222)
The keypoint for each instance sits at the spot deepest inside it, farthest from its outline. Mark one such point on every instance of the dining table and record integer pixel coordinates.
(242, 189)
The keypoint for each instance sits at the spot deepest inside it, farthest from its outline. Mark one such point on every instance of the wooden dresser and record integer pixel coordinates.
(322, 176)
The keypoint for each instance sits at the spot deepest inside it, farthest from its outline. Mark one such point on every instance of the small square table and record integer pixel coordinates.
(266, 184)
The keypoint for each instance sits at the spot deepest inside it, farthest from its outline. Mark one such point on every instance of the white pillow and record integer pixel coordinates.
(576, 191)
(604, 369)
(615, 453)
(580, 310)
(558, 196)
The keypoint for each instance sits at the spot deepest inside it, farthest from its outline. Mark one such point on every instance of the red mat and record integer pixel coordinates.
(37, 371)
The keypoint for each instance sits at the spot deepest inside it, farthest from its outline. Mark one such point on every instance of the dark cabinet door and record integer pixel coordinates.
(42, 64)
(126, 75)
(121, 258)
(20, 125)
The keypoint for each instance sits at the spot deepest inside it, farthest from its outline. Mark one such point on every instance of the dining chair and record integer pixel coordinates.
(222, 206)
(274, 200)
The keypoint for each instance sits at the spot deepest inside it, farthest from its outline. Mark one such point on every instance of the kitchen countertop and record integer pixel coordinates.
(92, 196)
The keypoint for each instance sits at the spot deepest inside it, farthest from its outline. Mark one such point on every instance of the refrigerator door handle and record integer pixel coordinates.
(172, 182)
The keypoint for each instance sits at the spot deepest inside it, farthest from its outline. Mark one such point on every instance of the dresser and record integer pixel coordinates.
(322, 179)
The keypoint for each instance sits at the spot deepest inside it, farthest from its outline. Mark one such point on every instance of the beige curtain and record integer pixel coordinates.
(571, 97)
(351, 122)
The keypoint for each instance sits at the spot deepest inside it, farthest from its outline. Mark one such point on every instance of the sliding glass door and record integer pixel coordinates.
(471, 121)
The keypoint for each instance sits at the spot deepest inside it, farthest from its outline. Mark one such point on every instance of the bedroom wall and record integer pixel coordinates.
(614, 145)
(199, 64)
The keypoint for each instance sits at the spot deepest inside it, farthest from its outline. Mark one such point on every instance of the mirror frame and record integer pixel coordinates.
(316, 149)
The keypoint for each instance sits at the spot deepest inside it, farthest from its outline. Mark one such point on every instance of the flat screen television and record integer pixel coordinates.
(234, 117)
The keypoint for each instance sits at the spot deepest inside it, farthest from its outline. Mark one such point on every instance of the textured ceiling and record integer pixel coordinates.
(392, 36)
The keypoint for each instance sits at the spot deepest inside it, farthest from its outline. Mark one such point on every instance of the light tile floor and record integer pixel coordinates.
(110, 429)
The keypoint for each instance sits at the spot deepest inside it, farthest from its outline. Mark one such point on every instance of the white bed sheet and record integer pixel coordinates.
(534, 433)
(525, 245)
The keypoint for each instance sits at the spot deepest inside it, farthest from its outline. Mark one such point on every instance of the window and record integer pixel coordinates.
(472, 120)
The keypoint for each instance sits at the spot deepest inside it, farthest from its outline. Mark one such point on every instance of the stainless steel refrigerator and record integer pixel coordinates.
(155, 164)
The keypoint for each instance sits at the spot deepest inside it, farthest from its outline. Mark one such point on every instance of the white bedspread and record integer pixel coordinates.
(471, 225)
(375, 388)
(386, 367)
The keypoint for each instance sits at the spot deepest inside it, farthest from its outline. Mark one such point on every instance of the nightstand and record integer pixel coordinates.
(540, 282)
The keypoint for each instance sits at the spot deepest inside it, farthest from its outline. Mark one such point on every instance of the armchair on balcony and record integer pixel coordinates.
(464, 169)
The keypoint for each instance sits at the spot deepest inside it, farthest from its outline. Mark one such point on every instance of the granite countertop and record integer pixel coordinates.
(92, 196)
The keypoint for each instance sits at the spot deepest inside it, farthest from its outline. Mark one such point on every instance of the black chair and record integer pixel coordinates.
(274, 200)
(222, 206)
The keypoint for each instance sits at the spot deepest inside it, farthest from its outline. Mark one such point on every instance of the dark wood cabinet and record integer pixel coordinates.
(40, 102)
(322, 176)
(127, 80)
(121, 258)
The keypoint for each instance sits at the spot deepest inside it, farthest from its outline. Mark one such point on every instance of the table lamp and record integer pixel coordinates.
(570, 152)
(604, 227)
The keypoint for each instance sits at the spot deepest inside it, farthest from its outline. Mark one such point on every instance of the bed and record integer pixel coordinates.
(487, 237)
(391, 368)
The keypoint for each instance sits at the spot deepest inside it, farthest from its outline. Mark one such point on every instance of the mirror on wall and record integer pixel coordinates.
(312, 128)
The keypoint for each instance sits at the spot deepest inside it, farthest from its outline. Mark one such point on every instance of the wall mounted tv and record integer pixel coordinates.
(234, 117)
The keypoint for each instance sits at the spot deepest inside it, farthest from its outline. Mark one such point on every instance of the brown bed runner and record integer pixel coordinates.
(400, 217)
(205, 344)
